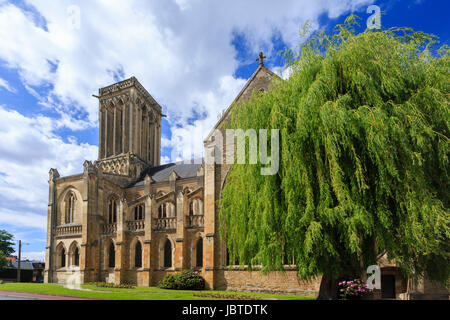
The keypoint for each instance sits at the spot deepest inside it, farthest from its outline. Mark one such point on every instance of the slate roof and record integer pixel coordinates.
(24, 265)
(161, 173)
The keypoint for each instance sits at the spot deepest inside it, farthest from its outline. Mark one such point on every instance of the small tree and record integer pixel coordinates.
(364, 161)
(3, 261)
(6, 243)
(6, 247)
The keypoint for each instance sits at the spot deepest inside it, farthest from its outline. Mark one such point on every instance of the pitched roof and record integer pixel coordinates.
(261, 68)
(183, 169)
(24, 265)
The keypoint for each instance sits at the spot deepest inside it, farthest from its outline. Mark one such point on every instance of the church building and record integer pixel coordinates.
(128, 219)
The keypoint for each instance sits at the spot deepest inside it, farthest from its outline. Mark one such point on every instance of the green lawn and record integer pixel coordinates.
(139, 293)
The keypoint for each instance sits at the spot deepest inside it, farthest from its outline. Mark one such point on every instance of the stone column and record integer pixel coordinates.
(180, 244)
(125, 128)
(147, 257)
(155, 137)
(110, 133)
(120, 268)
(144, 136)
(101, 133)
(158, 146)
(114, 142)
(150, 143)
(138, 131)
(89, 227)
(209, 218)
(51, 215)
(117, 133)
(105, 135)
(131, 127)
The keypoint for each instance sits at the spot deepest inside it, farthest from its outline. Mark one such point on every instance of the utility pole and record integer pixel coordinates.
(18, 262)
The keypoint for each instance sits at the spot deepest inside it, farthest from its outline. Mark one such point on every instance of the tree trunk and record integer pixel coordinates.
(328, 288)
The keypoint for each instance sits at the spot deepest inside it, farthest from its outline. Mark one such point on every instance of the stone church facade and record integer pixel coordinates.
(128, 219)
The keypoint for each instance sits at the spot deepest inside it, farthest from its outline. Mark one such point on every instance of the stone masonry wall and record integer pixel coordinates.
(273, 282)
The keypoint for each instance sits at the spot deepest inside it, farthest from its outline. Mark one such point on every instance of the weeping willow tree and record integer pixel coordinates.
(364, 160)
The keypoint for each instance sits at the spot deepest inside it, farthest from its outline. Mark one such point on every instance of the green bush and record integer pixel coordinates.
(185, 280)
(1, 281)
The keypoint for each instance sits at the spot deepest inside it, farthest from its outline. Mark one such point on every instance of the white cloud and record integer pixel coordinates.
(165, 160)
(37, 256)
(28, 150)
(180, 50)
(22, 219)
(4, 84)
(282, 72)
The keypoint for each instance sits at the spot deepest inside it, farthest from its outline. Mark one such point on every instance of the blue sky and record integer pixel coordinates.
(193, 56)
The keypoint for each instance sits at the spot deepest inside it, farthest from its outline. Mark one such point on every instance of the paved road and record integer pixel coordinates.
(9, 295)
(6, 297)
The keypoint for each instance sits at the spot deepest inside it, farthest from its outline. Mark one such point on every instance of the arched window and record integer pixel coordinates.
(199, 253)
(112, 210)
(70, 208)
(112, 256)
(139, 212)
(63, 257)
(138, 255)
(191, 208)
(167, 254)
(76, 257)
(162, 210)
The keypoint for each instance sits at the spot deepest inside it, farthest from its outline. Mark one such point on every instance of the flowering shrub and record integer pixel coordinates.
(353, 289)
(185, 280)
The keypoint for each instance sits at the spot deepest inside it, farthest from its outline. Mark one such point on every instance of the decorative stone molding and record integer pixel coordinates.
(136, 225)
(165, 223)
(148, 179)
(128, 165)
(173, 176)
(89, 168)
(68, 230)
(200, 171)
(196, 221)
(128, 83)
(53, 174)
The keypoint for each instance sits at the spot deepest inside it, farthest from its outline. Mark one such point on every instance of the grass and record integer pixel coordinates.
(140, 293)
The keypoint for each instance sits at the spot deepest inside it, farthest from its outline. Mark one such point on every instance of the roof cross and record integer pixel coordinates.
(261, 58)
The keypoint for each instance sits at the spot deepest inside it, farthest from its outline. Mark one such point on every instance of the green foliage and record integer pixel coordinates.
(185, 280)
(3, 261)
(364, 159)
(6, 243)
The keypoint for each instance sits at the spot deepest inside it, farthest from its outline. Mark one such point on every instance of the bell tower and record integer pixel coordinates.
(129, 128)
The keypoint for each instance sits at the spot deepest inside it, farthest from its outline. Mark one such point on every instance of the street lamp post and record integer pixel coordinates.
(20, 258)
(18, 262)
